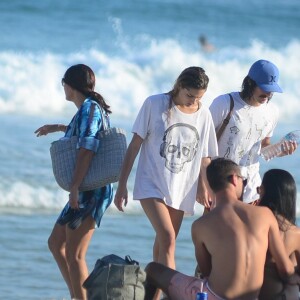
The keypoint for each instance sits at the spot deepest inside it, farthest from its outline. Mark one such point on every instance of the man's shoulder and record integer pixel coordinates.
(222, 103)
(219, 210)
(256, 208)
(209, 218)
(206, 218)
(221, 99)
(259, 214)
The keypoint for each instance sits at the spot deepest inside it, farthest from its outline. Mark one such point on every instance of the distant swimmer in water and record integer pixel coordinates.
(205, 45)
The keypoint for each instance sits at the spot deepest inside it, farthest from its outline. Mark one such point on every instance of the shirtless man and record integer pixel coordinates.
(230, 242)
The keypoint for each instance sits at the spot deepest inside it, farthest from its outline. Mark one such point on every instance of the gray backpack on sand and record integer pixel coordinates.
(115, 278)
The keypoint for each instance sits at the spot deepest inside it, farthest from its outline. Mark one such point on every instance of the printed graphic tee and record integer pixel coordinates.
(241, 139)
(170, 158)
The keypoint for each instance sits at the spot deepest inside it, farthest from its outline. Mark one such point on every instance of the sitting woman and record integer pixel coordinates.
(278, 192)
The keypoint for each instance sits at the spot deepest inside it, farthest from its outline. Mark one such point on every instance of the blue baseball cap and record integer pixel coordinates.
(266, 75)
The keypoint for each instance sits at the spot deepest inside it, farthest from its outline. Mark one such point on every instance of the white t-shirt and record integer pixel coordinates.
(241, 139)
(170, 159)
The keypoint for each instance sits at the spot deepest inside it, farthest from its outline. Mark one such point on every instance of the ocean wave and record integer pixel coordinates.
(30, 85)
(30, 82)
(21, 198)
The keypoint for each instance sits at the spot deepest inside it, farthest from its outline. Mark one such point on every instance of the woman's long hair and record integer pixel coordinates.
(280, 194)
(82, 78)
(192, 77)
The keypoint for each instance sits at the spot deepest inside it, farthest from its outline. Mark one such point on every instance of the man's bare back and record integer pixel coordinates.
(236, 247)
(232, 240)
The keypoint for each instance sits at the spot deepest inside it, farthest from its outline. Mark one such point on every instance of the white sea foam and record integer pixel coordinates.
(30, 84)
(21, 196)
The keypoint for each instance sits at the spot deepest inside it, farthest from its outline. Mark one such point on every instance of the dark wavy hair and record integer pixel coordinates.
(280, 194)
(82, 78)
(248, 87)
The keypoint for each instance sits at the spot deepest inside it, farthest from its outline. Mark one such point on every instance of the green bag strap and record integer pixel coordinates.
(226, 120)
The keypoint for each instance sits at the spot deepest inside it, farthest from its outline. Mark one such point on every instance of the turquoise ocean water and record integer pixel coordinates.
(136, 48)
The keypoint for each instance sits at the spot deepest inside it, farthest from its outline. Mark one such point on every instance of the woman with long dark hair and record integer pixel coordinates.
(278, 192)
(75, 226)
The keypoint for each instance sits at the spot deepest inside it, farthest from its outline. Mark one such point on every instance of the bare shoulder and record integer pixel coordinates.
(198, 222)
(268, 215)
(209, 222)
(295, 230)
(293, 236)
(208, 217)
(263, 211)
(202, 222)
(261, 216)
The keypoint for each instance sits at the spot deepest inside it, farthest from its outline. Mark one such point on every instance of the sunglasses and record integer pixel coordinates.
(244, 179)
(63, 82)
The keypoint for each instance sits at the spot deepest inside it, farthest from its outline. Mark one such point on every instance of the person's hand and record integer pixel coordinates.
(120, 198)
(203, 197)
(294, 279)
(73, 199)
(288, 147)
(44, 130)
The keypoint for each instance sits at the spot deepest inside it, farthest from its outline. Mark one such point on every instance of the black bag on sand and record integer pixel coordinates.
(115, 278)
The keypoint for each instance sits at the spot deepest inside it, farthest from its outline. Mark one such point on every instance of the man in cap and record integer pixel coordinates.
(252, 120)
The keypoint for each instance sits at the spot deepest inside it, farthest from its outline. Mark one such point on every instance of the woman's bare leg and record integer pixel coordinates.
(166, 222)
(77, 244)
(155, 250)
(57, 246)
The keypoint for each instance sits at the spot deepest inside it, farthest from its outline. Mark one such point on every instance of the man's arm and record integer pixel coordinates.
(295, 279)
(284, 265)
(202, 255)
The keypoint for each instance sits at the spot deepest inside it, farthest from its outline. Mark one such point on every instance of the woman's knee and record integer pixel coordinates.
(52, 244)
(167, 240)
(56, 245)
(73, 256)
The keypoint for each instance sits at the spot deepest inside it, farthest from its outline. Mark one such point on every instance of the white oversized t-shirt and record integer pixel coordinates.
(170, 158)
(242, 137)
